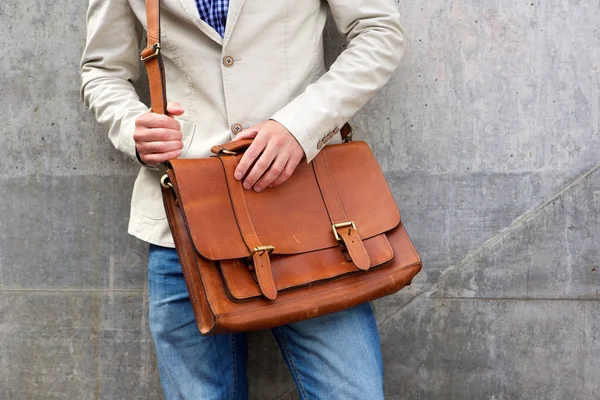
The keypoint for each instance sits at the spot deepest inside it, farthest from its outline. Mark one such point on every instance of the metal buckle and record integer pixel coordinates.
(228, 152)
(156, 49)
(257, 249)
(342, 225)
(164, 183)
(262, 249)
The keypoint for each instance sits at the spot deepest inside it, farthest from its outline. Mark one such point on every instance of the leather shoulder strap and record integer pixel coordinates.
(153, 60)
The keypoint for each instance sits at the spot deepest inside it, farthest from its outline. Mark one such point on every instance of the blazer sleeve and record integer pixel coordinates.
(375, 48)
(109, 65)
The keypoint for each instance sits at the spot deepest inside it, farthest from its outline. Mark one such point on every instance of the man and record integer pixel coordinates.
(240, 69)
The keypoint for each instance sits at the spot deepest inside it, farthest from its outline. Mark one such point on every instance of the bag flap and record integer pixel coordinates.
(292, 217)
(299, 270)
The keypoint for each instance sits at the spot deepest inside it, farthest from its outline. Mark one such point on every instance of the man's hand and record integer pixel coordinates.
(158, 137)
(276, 152)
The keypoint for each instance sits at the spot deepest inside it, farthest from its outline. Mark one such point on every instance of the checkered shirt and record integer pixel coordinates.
(214, 13)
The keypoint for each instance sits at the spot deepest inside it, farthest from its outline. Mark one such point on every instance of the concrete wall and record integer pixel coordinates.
(489, 136)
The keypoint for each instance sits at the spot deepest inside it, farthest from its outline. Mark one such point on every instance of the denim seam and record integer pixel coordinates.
(234, 361)
(294, 370)
(167, 372)
(157, 350)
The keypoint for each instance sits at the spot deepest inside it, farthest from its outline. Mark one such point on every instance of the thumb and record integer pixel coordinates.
(174, 108)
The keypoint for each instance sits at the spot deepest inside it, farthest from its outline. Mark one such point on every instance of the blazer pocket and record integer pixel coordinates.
(187, 130)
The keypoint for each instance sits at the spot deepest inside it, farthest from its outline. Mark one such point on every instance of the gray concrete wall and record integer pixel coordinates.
(489, 136)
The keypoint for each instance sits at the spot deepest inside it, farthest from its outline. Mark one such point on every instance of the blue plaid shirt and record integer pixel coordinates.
(214, 13)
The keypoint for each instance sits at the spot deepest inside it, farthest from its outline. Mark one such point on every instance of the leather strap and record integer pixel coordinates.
(348, 233)
(260, 259)
(153, 59)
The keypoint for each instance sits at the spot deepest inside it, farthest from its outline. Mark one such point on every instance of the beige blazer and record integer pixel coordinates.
(269, 65)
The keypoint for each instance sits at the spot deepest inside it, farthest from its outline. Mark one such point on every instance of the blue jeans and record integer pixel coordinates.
(337, 356)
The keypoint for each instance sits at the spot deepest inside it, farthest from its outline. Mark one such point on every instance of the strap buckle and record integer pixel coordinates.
(262, 250)
(155, 52)
(259, 249)
(342, 225)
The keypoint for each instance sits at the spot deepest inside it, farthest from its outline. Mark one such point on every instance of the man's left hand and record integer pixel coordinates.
(277, 154)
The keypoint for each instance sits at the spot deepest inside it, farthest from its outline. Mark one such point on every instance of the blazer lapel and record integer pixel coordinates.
(192, 10)
(235, 7)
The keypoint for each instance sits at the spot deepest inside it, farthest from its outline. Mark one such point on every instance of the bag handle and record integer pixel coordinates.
(234, 147)
(153, 59)
(231, 148)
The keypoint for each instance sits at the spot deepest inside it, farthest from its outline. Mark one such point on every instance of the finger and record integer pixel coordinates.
(249, 133)
(287, 172)
(157, 135)
(260, 166)
(250, 156)
(159, 147)
(174, 108)
(153, 120)
(154, 159)
(274, 172)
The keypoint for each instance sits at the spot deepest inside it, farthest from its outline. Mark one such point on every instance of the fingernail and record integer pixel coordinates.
(257, 189)
(238, 176)
(246, 186)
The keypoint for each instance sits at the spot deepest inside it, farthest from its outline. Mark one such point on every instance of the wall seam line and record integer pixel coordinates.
(518, 223)
(290, 390)
(90, 290)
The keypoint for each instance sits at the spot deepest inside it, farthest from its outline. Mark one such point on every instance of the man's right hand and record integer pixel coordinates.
(158, 137)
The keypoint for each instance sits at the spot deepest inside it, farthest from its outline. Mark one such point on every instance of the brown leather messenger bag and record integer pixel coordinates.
(328, 239)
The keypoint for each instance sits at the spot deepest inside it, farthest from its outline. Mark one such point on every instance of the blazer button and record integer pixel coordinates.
(228, 61)
(236, 128)
(320, 145)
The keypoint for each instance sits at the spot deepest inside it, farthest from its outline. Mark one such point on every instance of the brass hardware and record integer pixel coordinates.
(156, 49)
(262, 249)
(164, 182)
(342, 225)
(257, 249)
(228, 152)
